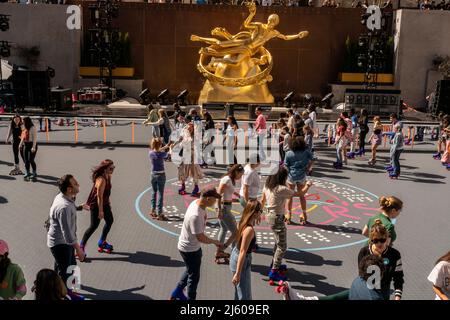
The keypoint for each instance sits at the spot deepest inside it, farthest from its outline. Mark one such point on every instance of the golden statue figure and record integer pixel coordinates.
(237, 67)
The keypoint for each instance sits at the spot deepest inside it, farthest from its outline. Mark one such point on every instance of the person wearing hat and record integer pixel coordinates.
(189, 243)
(12, 281)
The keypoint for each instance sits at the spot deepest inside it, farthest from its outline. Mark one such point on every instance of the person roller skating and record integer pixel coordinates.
(274, 196)
(100, 205)
(104, 246)
(375, 139)
(15, 131)
(341, 141)
(226, 218)
(28, 147)
(188, 167)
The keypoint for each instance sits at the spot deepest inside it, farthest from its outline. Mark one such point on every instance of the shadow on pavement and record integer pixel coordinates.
(50, 180)
(7, 178)
(140, 257)
(128, 294)
(309, 281)
(3, 200)
(6, 163)
(303, 258)
(335, 228)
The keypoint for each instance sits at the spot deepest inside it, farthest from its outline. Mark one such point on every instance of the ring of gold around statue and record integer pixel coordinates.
(259, 78)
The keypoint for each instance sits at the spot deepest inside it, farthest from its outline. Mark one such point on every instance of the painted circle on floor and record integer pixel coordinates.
(337, 212)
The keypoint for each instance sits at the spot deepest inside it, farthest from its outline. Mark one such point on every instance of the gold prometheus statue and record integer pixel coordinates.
(237, 67)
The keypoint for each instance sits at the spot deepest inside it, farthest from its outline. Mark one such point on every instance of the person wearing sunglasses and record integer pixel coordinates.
(100, 205)
(379, 247)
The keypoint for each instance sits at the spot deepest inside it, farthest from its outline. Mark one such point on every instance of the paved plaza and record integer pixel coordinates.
(322, 257)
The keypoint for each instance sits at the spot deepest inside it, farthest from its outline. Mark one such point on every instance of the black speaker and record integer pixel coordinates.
(31, 88)
(376, 102)
(442, 99)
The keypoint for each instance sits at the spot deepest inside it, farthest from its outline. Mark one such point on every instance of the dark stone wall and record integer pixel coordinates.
(164, 56)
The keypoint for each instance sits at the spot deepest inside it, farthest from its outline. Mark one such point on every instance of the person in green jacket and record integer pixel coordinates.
(390, 208)
(12, 281)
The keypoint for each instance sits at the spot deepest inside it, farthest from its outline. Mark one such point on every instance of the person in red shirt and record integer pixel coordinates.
(260, 130)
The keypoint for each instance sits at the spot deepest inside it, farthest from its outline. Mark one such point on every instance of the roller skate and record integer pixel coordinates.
(27, 176)
(178, 294)
(447, 166)
(372, 162)
(16, 171)
(75, 296)
(288, 293)
(33, 177)
(389, 168)
(337, 165)
(222, 258)
(275, 276)
(393, 175)
(195, 192)
(408, 142)
(351, 155)
(182, 190)
(437, 156)
(104, 246)
(361, 153)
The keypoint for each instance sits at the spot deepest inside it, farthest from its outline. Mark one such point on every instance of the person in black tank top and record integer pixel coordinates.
(241, 255)
(100, 205)
(15, 131)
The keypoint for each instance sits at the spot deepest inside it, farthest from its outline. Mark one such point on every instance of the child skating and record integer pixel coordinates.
(375, 139)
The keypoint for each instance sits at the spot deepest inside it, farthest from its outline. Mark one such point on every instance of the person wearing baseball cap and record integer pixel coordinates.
(191, 236)
(12, 281)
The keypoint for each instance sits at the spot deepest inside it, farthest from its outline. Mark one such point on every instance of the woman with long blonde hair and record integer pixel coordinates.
(241, 256)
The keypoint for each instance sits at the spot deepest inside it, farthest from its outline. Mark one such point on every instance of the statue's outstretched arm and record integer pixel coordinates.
(300, 35)
(248, 22)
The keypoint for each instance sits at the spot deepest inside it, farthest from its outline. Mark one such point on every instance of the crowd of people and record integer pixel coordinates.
(295, 131)
(434, 5)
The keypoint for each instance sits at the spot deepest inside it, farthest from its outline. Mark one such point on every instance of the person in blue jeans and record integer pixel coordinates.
(227, 221)
(157, 155)
(298, 162)
(397, 143)
(191, 237)
(241, 255)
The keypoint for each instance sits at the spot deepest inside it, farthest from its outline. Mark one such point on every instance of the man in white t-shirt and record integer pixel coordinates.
(191, 236)
(440, 278)
(250, 183)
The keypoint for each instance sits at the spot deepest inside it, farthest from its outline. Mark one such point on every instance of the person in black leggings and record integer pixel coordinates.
(100, 205)
(15, 131)
(28, 147)
(363, 130)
